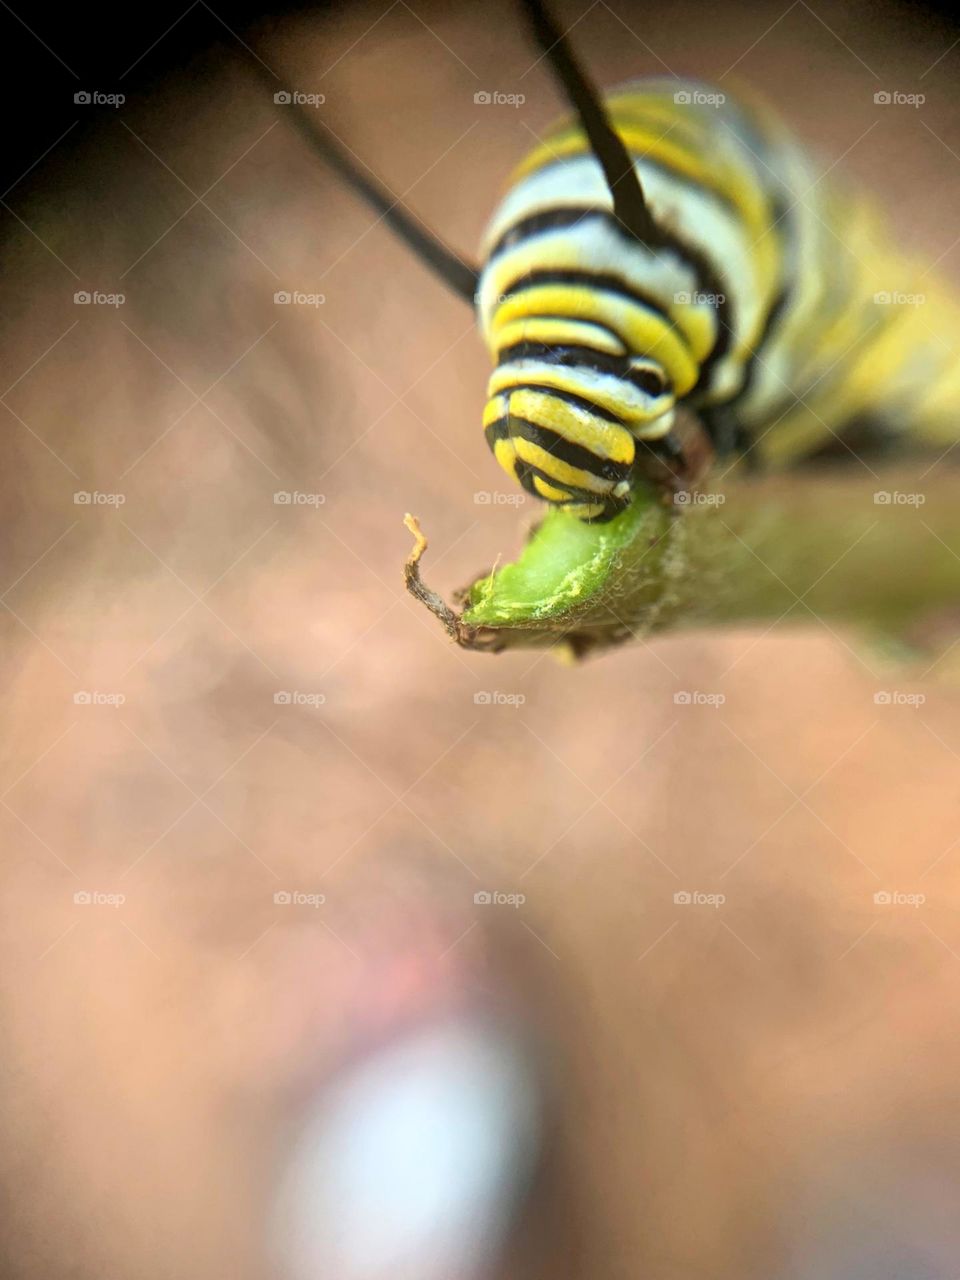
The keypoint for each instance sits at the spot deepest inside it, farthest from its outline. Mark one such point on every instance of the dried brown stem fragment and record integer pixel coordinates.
(467, 637)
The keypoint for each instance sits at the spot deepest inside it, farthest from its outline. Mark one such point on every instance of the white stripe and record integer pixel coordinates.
(701, 221)
(599, 248)
(630, 400)
(576, 181)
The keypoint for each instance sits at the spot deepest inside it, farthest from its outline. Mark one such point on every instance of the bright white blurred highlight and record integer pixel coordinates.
(411, 1164)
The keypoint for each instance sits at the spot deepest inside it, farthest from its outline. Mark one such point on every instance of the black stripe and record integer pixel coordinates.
(567, 354)
(777, 309)
(659, 165)
(576, 455)
(569, 397)
(526, 472)
(604, 282)
(708, 279)
(574, 356)
(557, 218)
(611, 506)
(728, 433)
(712, 283)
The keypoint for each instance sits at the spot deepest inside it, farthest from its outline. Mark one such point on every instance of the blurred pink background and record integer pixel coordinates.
(758, 1087)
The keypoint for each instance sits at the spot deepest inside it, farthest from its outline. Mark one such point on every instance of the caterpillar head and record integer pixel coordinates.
(572, 430)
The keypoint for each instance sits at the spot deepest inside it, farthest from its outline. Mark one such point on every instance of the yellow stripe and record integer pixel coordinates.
(506, 455)
(494, 410)
(644, 332)
(579, 424)
(554, 330)
(549, 492)
(732, 185)
(697, 324)
(705, 165)
(605, 439)
(659, 111)
(878, 360)
(830, 405)
(557, 469)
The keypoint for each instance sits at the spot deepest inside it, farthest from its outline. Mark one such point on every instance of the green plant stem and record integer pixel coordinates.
(811, 542)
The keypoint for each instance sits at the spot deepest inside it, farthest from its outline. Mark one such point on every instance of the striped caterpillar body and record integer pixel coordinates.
(671, 247)
(761, 296)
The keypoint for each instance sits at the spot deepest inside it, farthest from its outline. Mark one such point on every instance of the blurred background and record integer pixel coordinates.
(252, 793)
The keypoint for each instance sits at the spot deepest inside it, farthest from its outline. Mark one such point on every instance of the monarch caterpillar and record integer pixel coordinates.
(670, 247)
